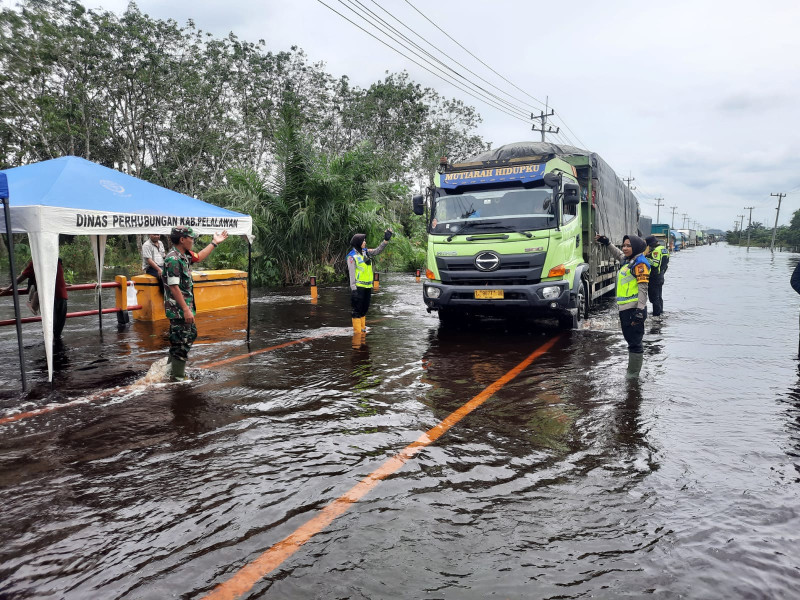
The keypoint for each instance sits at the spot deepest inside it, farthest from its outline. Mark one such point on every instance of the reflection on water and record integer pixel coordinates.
(570, 481)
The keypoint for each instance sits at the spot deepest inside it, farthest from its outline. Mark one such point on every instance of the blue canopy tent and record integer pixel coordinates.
(74, 196)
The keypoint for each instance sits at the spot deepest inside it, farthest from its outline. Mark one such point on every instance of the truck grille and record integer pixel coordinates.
(514, 269)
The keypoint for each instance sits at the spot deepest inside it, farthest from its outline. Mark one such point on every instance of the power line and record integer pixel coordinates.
(468, 92)
(544, 127)
(775, 228)
(628, 181)
(749, 223)
(445, 54)
(383, 23)
(471, 54)
(373, 15)
(659, 204)
(512, 84)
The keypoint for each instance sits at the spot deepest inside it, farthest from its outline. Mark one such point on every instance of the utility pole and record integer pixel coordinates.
(659, 204)
(544, 127)
(749, 223)
(685, 218)
(674, 208)
(628, 180)
(774, 229)
(741, 225)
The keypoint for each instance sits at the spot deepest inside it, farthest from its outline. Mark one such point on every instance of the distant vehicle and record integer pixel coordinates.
(677, 237)
(511, 232)
(690, 237)
(661, 231)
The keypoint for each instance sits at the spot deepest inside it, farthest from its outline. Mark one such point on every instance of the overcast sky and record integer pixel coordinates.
(698, 101)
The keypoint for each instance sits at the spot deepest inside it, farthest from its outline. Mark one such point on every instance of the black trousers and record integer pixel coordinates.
(151, 271)
(59, 316)
(633, 333)
(654, 289)
(359, 301)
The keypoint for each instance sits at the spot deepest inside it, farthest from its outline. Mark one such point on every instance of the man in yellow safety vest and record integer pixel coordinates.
(659, 261)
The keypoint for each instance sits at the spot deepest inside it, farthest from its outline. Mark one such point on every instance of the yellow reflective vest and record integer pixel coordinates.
(656, 258)
(628, 281)
(364, 275)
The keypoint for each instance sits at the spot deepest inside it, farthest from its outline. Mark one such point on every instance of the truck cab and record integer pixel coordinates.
(505, 240)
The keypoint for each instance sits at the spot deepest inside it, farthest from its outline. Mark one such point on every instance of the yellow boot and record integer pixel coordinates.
(364, 324)
(358, 340)
(357, 328)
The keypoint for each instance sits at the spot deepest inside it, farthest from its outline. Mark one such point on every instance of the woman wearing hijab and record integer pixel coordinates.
(359, 265)
(632, 282)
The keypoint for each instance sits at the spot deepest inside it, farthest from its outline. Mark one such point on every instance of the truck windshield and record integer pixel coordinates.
(510, 210)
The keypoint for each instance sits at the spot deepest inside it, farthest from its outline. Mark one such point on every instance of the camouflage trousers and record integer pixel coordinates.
(181, 337)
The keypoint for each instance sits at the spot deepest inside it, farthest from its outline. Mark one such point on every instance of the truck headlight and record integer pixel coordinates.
(550, 292)
(432, 292)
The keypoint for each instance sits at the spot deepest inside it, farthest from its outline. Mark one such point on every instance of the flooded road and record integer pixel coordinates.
(560, 480)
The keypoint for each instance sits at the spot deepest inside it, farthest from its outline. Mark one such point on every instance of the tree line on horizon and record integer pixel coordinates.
(786, 236)
(311, 157)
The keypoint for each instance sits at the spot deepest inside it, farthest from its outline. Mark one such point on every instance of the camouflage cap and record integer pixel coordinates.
(183, 232)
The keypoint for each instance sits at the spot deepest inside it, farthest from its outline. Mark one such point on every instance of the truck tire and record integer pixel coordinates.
(573, 321)
(449, 318)
(584, 300)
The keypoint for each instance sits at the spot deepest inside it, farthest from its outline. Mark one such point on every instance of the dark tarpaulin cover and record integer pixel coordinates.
(617, 207)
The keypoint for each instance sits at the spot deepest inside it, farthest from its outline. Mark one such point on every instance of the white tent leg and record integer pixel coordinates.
(44, 251)
(98, 243)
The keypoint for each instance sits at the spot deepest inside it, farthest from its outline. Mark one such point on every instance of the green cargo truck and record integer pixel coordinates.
(511, 233)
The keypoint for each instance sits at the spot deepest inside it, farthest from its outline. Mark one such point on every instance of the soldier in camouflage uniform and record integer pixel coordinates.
(179, 294)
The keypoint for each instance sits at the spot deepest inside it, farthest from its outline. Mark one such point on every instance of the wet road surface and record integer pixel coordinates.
(563, 481)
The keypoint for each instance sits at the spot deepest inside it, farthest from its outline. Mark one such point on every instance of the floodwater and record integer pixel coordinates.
(567, 481)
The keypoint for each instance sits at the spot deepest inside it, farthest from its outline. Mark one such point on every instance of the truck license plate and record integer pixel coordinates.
(488, 294)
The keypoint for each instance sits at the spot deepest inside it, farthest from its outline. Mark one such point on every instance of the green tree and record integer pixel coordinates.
(307, 213)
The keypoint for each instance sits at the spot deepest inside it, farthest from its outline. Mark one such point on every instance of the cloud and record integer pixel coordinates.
(751, 102)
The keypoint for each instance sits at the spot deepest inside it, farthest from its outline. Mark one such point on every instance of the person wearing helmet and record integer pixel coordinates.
(179, 294)
(658, 256)
(632, 282)
(359, 266)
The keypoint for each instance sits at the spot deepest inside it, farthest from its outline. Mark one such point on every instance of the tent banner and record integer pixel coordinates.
(72, 221)
(88, 220)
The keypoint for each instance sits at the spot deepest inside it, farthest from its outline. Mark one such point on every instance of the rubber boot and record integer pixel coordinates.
(178, 372)
(634, 365)
(358, 339)
(364, 324)
(357, 326)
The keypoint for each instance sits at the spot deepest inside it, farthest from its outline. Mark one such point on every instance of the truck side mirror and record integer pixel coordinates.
(551, 180)
(418, 204)
(572, 194)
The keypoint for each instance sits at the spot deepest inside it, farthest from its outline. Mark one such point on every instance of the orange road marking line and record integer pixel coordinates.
(304, 340)
(225, 361)
(245, 578)
(47, 409)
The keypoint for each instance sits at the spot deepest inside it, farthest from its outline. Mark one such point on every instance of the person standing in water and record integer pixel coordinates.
(179, 294)
(359, 266)
(632, 282)
(658, 257)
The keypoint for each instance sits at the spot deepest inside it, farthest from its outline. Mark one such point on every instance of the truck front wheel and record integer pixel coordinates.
(574, 320)
(449, 317)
